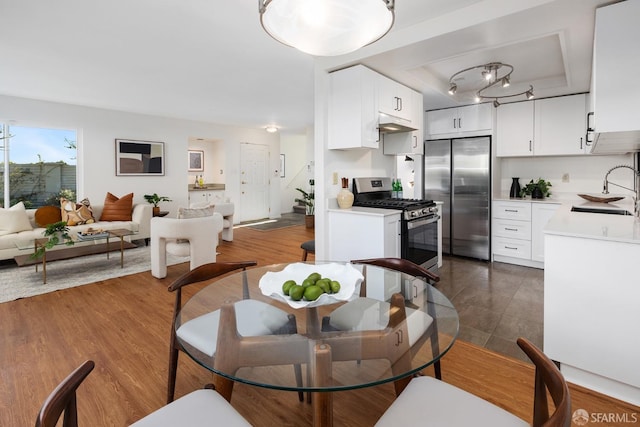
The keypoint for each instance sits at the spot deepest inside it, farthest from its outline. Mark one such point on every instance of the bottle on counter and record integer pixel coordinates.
(394, 189)
(201, 181)
(197, 182)
(399, 192)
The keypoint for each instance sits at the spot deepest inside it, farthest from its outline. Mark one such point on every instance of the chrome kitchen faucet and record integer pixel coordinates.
(636, 185)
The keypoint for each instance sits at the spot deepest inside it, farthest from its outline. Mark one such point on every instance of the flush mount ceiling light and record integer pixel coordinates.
(271, 129)
(326, 27)
(492, 75)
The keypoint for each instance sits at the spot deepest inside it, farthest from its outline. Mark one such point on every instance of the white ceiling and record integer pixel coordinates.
(211, 60)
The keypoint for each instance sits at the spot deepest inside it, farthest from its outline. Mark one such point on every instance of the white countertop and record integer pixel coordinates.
(619, 228)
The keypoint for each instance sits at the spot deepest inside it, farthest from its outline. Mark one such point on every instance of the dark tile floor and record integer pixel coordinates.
(496, 302)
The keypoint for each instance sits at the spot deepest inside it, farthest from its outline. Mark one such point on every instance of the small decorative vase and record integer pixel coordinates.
(515, 189)
(156, 210)
(309, 221)
(345, 197)
(536, 193)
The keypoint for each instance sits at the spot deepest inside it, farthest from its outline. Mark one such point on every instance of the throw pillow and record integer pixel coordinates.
(117, 209)
(46, 215)
(76, 213)
(186, 213)
(14, 219)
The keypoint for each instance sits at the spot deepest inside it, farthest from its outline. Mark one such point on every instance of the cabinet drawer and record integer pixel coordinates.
(512, 210)
(512, 247)
(512, 229)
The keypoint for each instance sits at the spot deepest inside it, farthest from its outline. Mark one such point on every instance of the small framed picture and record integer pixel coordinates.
(139, 157)
(281, 165)
(196, 160)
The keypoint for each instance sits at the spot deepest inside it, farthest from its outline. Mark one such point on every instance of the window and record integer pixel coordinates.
(40, 165)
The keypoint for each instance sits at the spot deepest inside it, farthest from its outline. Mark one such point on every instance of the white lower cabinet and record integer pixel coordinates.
(517, 229)
(363, 233)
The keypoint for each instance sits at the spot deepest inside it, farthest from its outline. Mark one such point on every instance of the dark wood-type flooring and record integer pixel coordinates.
(123, 325)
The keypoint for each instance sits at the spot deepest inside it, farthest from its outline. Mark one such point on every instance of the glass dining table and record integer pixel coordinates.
(384, 326)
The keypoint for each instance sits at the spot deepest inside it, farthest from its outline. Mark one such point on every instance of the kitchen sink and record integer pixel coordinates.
(601, 211)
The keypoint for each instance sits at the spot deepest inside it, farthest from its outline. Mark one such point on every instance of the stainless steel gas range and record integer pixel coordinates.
(419, 223)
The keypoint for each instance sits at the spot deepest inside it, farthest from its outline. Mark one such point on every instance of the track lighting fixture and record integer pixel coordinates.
(493, 73)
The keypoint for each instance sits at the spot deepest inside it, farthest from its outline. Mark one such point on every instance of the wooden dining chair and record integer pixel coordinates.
(348, 316)
(429, 402)
(200, 408)
(202, 332)
(63, 399)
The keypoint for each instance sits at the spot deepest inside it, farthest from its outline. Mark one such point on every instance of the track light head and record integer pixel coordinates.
(496, 103)
(453, 88)
(506, 82)
(529, 94)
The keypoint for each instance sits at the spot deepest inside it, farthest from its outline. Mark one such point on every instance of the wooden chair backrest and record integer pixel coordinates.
(63, 399)
(547, 377)
(202, 273)
(402, 265)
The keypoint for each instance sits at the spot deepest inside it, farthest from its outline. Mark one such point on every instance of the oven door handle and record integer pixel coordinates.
(420, 222)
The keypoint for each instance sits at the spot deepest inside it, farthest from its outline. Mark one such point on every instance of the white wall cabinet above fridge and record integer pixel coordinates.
(357, 96)
(461, 121)
(544, 127)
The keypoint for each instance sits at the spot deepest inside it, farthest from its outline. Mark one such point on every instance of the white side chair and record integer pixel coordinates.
(196, 238)
(199, 408)
(226, 209)
(427, 401)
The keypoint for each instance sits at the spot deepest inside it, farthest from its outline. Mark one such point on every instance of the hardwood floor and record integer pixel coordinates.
(123, 325)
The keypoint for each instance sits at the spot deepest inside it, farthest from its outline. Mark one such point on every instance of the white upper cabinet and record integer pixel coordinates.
(353, 109)
(460, 120)
(544, 127)
(408, 142)
(395, 99)
(616, 65)
(514, 123)
(561, 126)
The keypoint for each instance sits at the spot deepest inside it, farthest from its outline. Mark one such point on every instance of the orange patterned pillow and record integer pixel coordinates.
(76, 213)
(117, 209)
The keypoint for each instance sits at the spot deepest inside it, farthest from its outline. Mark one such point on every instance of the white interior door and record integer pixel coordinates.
(254, 182)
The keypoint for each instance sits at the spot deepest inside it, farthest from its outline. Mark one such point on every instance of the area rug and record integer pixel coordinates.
(20, 282)
(286, 220)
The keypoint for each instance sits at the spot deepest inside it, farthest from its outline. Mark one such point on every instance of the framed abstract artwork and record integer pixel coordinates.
(139, 157)
(196, 160)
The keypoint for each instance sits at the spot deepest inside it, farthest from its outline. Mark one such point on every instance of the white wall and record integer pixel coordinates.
(97, 130)
(586, 173)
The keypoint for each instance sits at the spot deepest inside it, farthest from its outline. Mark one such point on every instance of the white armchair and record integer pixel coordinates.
(193, 237)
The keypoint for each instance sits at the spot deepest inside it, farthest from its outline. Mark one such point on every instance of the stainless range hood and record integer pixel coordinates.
(390, 124)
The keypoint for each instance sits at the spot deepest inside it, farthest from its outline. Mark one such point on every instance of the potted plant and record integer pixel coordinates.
(154, 199)
(536, 189)
(58, 233)
(308, 200)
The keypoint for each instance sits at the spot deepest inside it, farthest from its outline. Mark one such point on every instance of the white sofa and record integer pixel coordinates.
(140, 222)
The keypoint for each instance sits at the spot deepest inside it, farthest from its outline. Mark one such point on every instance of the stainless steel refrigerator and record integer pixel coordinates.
(458, 173)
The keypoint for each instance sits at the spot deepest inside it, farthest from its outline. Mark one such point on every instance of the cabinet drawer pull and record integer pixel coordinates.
(511, 210)
(510, 247)
(511, 229)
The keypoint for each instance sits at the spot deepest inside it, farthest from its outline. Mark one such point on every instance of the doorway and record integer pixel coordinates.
(254, 182)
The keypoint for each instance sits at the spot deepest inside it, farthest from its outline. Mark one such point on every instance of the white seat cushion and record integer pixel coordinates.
(199, 408)
(368, 314)
(430, 402)
(254, 318)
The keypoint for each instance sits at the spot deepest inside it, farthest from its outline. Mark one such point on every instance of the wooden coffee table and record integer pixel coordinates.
(74, 251)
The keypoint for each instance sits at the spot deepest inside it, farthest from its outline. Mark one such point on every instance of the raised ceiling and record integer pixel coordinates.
(211, 61)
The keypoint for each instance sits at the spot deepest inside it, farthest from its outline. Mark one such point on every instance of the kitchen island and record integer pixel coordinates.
(592, 299)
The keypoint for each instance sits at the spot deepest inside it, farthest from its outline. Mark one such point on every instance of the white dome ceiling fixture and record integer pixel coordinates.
(327, 27)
